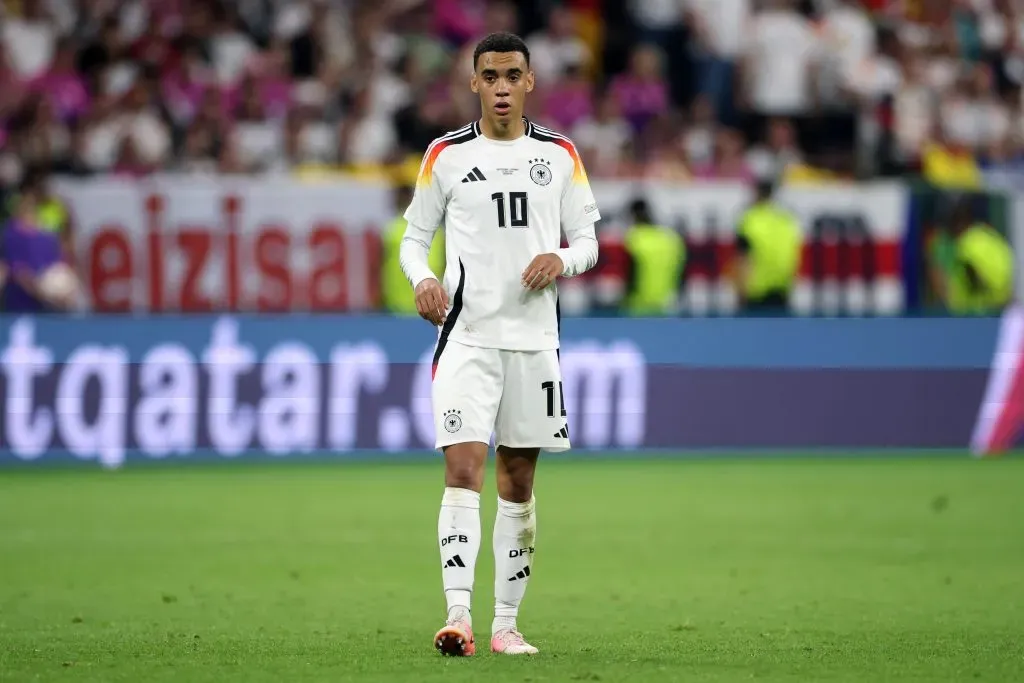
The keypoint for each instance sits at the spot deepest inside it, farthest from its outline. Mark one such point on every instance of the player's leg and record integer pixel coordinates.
(458, 533)
(530, 418)
(466, 393)
(514, 543)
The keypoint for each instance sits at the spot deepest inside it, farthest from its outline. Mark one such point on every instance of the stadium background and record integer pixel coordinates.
(226, 174)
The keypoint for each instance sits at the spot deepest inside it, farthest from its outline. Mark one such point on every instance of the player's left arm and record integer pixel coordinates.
(579, 215)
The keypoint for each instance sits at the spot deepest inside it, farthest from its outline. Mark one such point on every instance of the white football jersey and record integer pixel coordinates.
(501, 203)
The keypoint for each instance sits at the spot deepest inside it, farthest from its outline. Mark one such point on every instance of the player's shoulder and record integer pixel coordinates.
(453, 138)
(437, 159)
(544, 135)
(549, 135)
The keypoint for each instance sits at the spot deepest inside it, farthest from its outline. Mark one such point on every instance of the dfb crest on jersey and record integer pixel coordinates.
(540, 172)
(452, 420)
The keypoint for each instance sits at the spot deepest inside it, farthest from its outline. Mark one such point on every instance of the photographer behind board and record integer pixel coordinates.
(656, 262)
(767, 257)
(979, 281)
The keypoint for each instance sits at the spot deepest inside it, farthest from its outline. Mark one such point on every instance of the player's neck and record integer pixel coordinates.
(505, 131)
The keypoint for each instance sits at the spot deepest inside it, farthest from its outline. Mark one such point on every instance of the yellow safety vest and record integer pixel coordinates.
(989, 254)
(775, 245)
(396, 293)
(659, 255)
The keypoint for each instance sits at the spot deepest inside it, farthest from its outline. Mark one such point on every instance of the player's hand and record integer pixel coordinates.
(431, 301)
(542, 271)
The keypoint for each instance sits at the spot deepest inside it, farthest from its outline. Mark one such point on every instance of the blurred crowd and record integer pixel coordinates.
(674, 89)
(758, 91)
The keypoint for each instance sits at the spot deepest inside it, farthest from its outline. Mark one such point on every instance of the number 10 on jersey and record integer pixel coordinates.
(513, 211)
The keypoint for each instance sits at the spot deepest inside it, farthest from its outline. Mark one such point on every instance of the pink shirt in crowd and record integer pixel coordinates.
(568, 103)
(459, 20)
(65, 91)
(183, 96)
(639, 101)
(275, 96)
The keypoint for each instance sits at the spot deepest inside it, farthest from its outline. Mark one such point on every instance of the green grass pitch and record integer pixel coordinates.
(859, 569)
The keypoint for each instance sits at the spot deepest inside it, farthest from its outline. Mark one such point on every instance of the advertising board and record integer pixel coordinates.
(273, 386)
(168, 243)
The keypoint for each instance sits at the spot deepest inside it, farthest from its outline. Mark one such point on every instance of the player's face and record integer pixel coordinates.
(502, 80)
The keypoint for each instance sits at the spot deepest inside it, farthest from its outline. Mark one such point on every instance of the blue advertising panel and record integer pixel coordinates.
(115, 389)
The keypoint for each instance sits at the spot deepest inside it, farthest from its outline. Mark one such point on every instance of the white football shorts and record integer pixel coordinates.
(514, 395)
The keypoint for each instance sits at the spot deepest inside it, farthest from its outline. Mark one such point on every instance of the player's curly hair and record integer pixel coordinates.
(501, 42)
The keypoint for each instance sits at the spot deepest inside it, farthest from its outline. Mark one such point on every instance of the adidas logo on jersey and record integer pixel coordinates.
(474, 176)
(563, 433)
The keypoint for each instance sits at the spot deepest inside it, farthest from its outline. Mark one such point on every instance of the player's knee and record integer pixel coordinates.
(515, 474)
(464, 466)
(464, 475)
(516, 489)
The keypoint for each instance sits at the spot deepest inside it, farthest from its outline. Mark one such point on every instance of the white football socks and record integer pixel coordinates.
(458, 537)
(515, 530)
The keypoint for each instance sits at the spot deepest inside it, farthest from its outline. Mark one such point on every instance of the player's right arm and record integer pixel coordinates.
(424, 215)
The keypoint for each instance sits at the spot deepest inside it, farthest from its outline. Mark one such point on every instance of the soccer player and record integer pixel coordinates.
(504, 189)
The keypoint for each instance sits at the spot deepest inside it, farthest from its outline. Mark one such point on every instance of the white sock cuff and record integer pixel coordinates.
(507, 509)
(460, 498)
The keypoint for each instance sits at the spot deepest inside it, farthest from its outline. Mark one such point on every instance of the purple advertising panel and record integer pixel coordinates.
(110, 391)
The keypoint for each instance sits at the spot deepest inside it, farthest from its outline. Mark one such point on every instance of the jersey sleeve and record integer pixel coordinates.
(428, 200)
(424, 216)
(579, 208)
(579, 215)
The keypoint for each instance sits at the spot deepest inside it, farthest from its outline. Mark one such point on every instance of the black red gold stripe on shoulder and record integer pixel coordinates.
(547, 135)
(464, 134)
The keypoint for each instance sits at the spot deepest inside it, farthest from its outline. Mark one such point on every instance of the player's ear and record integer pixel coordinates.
(473, 85)
(529, 81)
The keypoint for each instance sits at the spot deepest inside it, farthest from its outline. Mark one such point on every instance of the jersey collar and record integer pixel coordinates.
(527, 128)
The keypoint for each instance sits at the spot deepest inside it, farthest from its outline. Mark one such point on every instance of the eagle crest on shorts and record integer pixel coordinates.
(452, 421)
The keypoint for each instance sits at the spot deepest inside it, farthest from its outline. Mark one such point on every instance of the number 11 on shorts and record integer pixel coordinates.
(549, 389)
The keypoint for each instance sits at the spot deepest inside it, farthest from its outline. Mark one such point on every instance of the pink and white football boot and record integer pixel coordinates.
(456, 638)
(511, 642)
